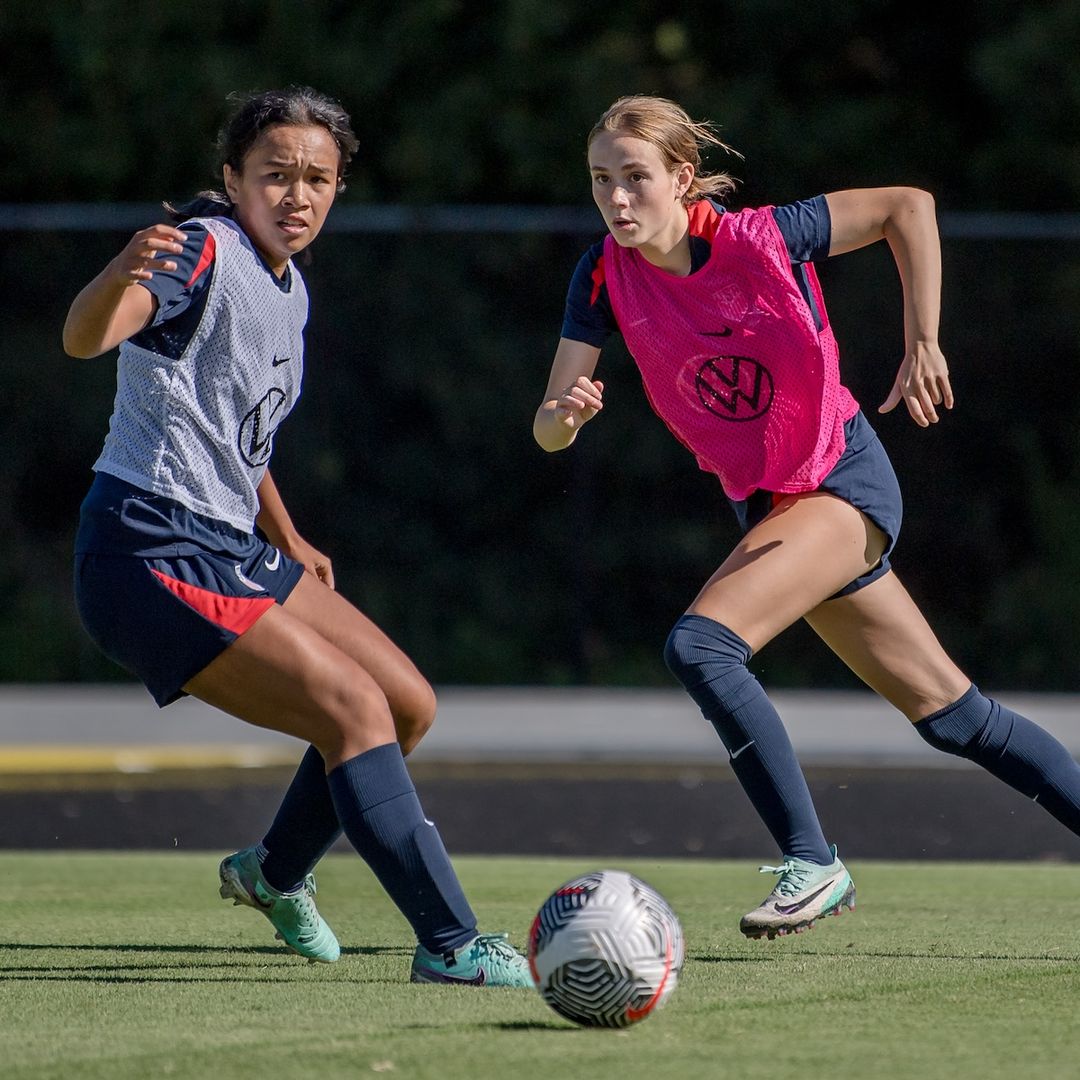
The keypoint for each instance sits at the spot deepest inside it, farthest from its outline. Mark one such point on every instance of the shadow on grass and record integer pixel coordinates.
(532, 1025)
(133, 971)
(851, 951)
(271, 950)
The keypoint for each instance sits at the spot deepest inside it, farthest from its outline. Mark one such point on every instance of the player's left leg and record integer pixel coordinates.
(882, 636)
(306, 824)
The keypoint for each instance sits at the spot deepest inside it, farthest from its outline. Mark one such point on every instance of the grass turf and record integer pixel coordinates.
(127, 965)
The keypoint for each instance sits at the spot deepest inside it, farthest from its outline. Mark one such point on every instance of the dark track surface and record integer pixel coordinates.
(599, 810)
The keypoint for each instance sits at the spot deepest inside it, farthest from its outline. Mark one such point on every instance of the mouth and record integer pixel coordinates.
(293, 225)
(621, 223)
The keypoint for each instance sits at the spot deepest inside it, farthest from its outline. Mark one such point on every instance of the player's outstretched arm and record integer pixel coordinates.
(906, 218)
(109, 310)
(572, 397)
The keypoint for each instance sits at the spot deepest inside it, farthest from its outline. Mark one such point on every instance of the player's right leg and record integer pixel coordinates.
(284, 675)
(306, 826)
(808, 548)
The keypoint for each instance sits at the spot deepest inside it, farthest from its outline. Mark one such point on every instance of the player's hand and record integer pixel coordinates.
(315, 562)
(579, 403)
(922, 383)
(147, 253)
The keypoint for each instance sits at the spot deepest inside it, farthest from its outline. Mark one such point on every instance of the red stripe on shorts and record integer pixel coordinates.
(235, 613)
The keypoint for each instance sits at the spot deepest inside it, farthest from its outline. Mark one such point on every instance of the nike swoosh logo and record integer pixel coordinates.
(742, 749)
(479, 979)
(246, 581)
(272, 564)
(791, 909)
(726, 332)
(279, 360)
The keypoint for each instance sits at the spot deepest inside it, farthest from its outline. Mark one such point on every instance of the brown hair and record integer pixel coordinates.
(296, 106)
(679, 139)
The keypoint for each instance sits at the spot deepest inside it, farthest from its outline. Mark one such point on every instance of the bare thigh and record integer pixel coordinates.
(284, 675)
(882, 636)
(806, 550)
(411, 699)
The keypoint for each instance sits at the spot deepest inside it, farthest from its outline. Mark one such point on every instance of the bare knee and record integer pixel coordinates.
(414, 714)
(918, 702)
(355, 718)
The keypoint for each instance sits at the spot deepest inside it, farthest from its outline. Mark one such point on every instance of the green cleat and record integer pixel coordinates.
(487, 960)
(805, 892)
(293, 914)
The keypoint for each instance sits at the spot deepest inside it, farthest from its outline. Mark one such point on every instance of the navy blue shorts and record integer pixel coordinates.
(863, 477)
(163, 603)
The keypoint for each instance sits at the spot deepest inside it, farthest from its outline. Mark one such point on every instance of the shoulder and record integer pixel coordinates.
(588, 316)
(705, 216)
(176, 289)
(589, 273)
(806, 227)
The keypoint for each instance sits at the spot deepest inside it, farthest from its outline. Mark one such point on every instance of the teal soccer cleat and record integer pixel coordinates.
(487, 960)
(293, 914)
(804, 893)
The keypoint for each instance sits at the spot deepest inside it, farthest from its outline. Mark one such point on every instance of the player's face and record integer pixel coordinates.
(640, 199)
(285, 189)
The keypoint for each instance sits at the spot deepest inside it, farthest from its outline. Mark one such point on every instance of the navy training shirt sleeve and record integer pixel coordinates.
(175, 290)
(181, 295)
(806, 227)
(588, 316)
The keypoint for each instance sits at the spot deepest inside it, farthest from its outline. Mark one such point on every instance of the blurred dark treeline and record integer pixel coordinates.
(410, 458)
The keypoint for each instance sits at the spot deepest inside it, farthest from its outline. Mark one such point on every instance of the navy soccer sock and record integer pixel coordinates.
(1010, 747)
(378, 809)
(304, 828)
(710, 661)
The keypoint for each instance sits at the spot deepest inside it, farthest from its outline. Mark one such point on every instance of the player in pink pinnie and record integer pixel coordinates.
(724, 317)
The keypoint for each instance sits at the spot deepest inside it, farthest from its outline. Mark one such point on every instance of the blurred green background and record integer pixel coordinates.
(410, 458)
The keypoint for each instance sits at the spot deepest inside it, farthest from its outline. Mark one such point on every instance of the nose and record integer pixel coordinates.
(296, 194)
(619, 196)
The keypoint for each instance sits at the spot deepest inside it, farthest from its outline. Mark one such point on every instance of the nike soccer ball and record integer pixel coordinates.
(605, 950)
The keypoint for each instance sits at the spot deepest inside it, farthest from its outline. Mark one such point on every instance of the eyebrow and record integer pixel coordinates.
(277, 163)
(629, 165)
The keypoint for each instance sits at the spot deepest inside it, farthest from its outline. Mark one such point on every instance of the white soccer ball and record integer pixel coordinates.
(605, 949)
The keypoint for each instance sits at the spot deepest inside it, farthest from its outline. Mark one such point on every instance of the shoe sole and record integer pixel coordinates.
(771, 932)
(232, 889)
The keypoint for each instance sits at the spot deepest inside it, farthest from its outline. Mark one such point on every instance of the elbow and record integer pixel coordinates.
(74, 346)
(79, 349)
(77, 353)
(73, 349)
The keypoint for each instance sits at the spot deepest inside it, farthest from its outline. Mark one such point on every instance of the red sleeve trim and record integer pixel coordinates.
(597, 280)
(205, 259)
(235, 613)
(704, 219)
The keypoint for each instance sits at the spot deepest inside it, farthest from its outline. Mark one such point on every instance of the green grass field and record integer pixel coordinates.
(128, 965)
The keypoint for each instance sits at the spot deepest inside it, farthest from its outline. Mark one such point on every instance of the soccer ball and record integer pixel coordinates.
(605, 949)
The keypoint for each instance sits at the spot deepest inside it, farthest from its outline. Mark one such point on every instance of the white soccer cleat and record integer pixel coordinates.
(804, 893)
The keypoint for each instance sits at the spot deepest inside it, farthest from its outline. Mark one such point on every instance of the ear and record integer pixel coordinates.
(684, 177)
(232, 181)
